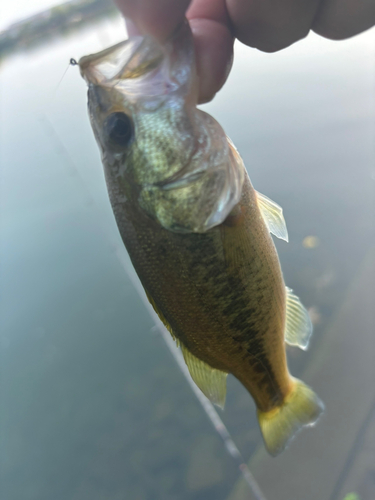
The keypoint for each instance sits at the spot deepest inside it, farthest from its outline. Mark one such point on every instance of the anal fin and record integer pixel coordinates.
(211, 382)
(298, 327)
(272, 214)
(161, 317)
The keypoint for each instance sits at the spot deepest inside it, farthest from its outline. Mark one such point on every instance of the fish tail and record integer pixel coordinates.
(301, 408)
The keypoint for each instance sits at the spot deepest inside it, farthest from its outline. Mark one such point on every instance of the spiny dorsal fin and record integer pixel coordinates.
(298, 328)
(273, 216)
(210, 381)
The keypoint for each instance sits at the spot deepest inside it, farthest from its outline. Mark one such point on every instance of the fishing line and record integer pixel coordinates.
(121, 255)
(72, 62)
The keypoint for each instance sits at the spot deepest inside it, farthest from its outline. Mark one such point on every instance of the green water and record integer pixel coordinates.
(93, 405)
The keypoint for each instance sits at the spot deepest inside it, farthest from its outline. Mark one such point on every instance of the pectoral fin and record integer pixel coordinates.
(273, 216)
(298, 327)
(210, 381)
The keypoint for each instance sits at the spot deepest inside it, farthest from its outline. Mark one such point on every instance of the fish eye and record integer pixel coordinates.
(119, 128)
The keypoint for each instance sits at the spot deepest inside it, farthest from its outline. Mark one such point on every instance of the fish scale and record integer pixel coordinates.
(193, 265)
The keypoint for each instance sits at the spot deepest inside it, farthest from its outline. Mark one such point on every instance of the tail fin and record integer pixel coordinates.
(301, 408)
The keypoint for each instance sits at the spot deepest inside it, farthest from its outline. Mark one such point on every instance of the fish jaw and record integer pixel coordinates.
(144, 70)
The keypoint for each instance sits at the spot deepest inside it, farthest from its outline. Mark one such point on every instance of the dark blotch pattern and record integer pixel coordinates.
(228, 290)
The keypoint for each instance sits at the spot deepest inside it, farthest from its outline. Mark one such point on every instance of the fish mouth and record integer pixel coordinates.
(131, 58)
(141, 65)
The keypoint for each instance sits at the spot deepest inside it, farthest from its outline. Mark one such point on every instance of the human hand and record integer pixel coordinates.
(268, 25)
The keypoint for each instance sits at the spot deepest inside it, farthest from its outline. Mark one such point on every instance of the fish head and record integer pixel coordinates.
(174, 159)
(139, 95)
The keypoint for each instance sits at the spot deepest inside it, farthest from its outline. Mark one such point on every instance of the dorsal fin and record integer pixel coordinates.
(273, 216)
(298, 327)
(210, 381)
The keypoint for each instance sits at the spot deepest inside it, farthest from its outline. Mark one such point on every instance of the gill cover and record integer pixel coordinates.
(186, 173)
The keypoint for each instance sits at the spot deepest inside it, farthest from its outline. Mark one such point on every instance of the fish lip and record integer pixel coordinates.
(138, 68)
(141, 66)
(87, 64)
(85, 61)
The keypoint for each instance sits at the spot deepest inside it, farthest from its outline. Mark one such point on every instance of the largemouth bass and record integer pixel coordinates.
(197, 232)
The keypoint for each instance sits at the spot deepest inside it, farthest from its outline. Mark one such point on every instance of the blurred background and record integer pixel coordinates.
(92, 404)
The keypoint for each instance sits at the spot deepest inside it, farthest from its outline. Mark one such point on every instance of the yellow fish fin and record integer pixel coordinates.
(272, 214)
(298, 327)
(162, 318)
(301, 408)
(211, 382)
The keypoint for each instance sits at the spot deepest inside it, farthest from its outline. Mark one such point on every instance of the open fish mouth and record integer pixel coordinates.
(141, 66)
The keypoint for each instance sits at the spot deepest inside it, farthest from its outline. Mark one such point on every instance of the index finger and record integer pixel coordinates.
(157, 18)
